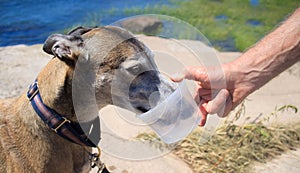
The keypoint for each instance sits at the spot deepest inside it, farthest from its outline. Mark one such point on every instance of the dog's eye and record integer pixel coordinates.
(134, 69)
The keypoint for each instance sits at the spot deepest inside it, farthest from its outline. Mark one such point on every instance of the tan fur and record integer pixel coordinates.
(26, 143)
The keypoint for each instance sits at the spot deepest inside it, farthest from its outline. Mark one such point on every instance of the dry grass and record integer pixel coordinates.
(233, 148)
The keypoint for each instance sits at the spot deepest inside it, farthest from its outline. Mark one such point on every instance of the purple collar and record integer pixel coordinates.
(58, 123)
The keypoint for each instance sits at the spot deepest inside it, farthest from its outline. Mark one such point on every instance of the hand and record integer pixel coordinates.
(219, 89)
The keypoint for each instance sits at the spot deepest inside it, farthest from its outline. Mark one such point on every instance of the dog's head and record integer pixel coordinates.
(111, 65)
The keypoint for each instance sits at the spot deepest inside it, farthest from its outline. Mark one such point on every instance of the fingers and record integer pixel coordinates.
(216, 104)
(220, 104)
(178, 77)
(204, 116)
(203, 112)
(212, 95)
(210, 77)
(192, 73)
(203, 91)
(207, 94)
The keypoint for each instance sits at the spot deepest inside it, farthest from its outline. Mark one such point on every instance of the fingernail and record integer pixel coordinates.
(177, 77)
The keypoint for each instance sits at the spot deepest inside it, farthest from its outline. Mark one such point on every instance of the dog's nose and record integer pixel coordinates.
(142, 109)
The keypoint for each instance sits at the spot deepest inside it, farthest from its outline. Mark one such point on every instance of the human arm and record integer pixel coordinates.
(269, 57)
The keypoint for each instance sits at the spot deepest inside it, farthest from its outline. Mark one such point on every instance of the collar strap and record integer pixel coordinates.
(58, 123)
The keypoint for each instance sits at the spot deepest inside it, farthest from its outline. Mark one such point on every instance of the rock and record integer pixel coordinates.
(142, 24)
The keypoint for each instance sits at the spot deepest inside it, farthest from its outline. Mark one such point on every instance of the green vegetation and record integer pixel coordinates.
(227, 22)
(234, 148)
(230, 25)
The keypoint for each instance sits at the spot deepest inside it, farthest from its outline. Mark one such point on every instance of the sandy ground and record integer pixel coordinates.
(20, 64)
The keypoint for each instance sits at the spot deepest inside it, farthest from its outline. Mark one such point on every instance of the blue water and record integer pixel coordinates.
(254, 22)
(254, 3)
(32, 21)
(221, 17)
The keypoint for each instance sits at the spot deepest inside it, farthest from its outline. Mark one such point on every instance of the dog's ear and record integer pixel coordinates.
(66, 47)
(79, 31)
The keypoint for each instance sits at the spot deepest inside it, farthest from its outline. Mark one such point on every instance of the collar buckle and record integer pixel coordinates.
(65, 120)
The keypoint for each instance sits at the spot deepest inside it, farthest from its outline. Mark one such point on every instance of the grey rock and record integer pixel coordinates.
(142, 24)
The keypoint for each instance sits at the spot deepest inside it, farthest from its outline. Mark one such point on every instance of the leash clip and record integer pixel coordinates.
(96, 162)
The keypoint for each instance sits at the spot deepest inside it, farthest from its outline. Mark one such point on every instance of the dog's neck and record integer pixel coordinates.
(55, 87)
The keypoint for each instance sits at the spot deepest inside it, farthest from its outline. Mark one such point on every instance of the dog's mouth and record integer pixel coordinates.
(143, 104)
(148, 90)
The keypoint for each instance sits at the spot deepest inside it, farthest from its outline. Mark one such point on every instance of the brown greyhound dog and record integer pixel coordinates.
(84, 64)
